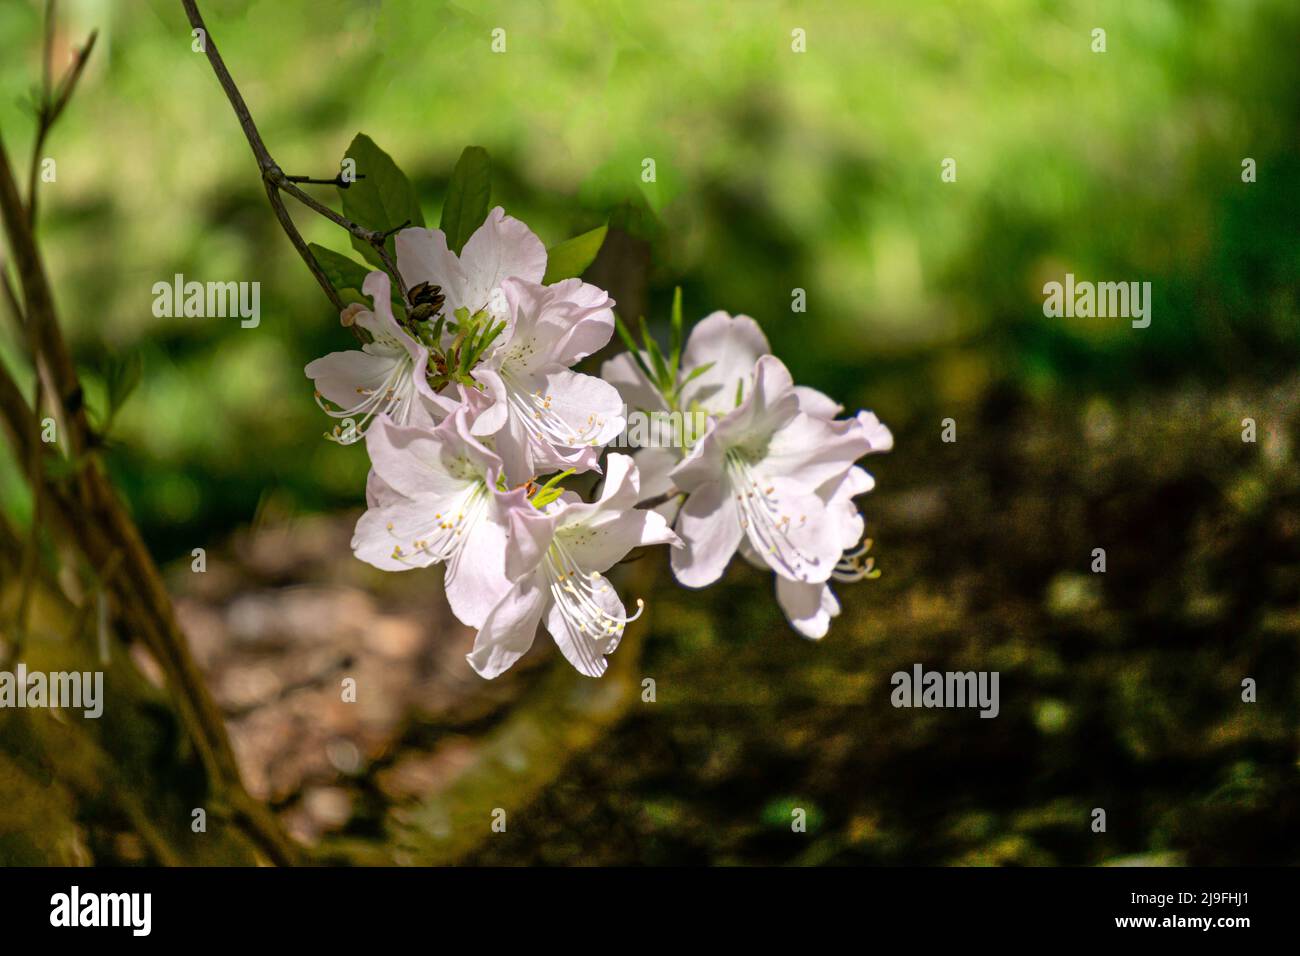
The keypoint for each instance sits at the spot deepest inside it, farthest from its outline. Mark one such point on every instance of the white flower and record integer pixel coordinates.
(544, 415)
(776, 483)
(501, 248)
(556, 561)
(809, 606)
(726, 348)
(756, 475)
(384, 377)
(433, 497)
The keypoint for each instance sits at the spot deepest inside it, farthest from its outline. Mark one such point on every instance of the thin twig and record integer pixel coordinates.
(52, 104)
(38, 308)
(277, 181)
(31, 553)
(338, 180)
(96, 521)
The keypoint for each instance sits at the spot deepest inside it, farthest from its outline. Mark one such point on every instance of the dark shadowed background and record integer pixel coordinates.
(776, 171)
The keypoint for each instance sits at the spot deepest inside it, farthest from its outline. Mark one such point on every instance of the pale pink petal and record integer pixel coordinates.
(789, 528)
(531, 534)
(490, 417)
(586, 650)
(384, 535)
(704, 464)
(423, 256)
(813, 450)
(878, 436)
(625, 375)
(590, 409)
(501, 248)
(508, 631)
(416, 462)
(709, 527)
(347, 378)
(808, 607)
(599, 545)
(476, 580)
(733, 345)
(817, 404)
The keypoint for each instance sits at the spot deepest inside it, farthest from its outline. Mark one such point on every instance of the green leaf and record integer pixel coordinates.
(343, 273)
(120, 379)
(677, 331)
(663, 379)
(468, 194)
(348, 276)
(634, 350)
(383, 200)
(696, 372)
(572, 257)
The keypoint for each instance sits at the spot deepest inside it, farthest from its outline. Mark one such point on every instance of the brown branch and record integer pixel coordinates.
(31, 552)
(52, 103)
(96, 521)
(38, 307)
(276, 181)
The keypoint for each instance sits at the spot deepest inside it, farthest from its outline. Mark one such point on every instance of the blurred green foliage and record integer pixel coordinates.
(775, 170)
(778, 171)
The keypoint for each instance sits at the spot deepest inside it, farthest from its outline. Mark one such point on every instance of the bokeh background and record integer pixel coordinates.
(776, 171)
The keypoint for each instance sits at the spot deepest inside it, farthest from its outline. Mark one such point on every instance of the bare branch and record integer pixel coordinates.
(38, 307)
(276, 180)
(52, 103)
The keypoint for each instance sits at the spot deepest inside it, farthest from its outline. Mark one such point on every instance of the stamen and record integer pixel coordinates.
(395, 397)
(764, 522)
(543, 423)
(575, 594)
(855, 565)
(444, 536)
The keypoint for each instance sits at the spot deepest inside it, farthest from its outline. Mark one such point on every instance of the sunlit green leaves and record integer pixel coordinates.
(663, 372)
(468, 195)
(572, 257)
(346, 275)
(383, 200)
(121, 377)
(551, 491)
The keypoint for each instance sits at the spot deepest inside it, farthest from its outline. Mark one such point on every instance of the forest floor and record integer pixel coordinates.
(1120, 691)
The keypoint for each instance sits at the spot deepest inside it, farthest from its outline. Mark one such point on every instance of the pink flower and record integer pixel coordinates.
(556, 562)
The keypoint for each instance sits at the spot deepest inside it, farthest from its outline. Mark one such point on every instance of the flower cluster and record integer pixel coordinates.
(473, 417)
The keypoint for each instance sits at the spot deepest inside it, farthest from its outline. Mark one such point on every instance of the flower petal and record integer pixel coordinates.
(817, 404)
(879, 437)
(625, 375)
(709, 527)
(813, 450)
(414, 461)
(733, 345)
(346, 378)
(531, 533)
(808, 607)
(423, 256)
(789, 528)
(501, 248)
(508, 631)
(599, 545)
(476, 580)
(384, 535)
(587, 651)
